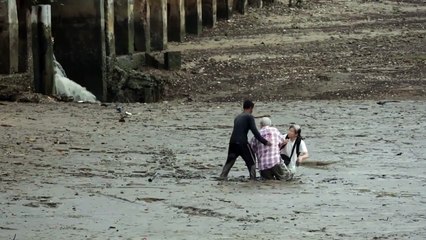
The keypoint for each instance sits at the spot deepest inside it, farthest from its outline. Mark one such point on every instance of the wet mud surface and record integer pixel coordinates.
(74, 171)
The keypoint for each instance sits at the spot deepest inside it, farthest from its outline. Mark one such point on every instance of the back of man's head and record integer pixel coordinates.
(264, 122)
(248, 104)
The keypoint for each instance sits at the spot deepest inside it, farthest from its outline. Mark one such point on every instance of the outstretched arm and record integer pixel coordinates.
(302, 157)
(303, 152)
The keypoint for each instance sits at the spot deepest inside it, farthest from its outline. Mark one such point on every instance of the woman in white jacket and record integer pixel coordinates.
(294, 151)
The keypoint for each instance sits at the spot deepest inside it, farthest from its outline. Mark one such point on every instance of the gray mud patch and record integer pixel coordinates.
(71, 171)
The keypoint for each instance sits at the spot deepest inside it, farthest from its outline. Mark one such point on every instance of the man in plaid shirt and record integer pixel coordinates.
(268, 157)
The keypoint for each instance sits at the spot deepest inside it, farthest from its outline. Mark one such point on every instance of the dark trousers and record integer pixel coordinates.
(274, 173)
(236, 150)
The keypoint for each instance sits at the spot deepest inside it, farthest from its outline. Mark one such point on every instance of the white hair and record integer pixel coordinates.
(265, 122)
(296, 127)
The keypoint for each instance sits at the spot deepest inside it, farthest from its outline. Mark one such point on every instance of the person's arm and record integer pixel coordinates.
(255, 132)
(303, 152)
(283, 140)
(253, 144)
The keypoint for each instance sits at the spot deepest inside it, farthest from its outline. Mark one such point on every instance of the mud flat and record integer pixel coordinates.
(71, 171)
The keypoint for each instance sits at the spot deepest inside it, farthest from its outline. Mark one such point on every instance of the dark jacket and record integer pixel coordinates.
(242, 124)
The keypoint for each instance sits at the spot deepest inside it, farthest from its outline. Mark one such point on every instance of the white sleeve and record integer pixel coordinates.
(303, 148)
(284, 149)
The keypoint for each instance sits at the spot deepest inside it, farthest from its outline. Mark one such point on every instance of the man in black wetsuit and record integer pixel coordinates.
(239, 146)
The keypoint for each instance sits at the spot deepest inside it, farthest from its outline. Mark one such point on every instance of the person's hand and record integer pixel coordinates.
(283, 143)
(269, 144)
(299, 161)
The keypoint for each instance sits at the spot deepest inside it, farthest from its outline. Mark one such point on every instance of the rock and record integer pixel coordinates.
(173, 60)
(384, 102)
(119, 109)
(134, 86)
(39, 149)
(32, 204)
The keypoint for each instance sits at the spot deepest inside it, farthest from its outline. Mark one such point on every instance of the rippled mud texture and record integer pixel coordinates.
(71, 171)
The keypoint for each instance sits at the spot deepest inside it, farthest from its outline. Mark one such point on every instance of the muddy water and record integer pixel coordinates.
(73, 171)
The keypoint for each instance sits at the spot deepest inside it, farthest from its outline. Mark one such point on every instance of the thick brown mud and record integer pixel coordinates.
(73, 171)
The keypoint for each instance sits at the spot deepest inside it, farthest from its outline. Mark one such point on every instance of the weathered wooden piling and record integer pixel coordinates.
(256, 3)
(224, 9)
(194, 16)
(9, 37)
(80, 42)
(24, 19)
(124, 27)
(41, 20)
(209, 12)
(109, 28)
(142, 26)
(241, 6)
(172, 60)
(158, 21)
(176, 20)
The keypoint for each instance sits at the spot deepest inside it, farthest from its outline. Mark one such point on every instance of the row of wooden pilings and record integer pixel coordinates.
(86, 36)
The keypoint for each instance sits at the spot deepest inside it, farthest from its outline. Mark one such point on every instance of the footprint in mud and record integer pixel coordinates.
(41, 201)
(318, 164)
(382, 194)
(201, 212)
(201, 166)
(223, 127)
(187, 174)
(150, 199)
(195, 128)
(333, 180)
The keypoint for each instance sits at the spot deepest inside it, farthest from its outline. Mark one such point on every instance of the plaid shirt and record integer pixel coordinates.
(268, 156)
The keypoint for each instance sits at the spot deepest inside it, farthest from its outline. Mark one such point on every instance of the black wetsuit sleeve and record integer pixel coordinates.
(255, 132)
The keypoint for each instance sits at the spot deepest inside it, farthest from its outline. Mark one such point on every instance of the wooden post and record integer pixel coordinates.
(142, 26)
(80, 42)
(209, 12)
(241, 6)
(24, 19)
(194, 16)
(176, 20)
(109, 29)
(124, 26)
(42, 49)
(224, 9)
(158, 18)
(9, 37)
(256, 3)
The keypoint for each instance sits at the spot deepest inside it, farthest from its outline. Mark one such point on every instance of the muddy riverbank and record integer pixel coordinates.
(329, 50)
(71, 171)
